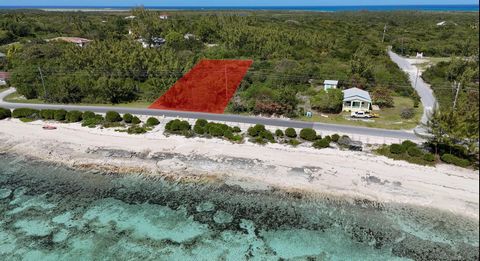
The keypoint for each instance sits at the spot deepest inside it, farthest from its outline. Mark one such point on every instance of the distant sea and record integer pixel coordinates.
(436, 8)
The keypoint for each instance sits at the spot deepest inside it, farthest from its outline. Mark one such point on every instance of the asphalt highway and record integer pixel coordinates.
(352, 130)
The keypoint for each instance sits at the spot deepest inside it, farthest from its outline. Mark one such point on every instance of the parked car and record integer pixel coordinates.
(360, 114)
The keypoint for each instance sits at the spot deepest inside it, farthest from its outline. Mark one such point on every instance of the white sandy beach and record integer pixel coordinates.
(330, 171)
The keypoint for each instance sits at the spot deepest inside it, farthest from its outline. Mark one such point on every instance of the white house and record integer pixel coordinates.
(330, 84)
(419, 55)
(355, 99)
(154, 43)
(189, 36)
(164, 16)
(130, 17)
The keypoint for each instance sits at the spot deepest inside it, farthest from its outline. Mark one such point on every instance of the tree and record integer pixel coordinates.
(382, 96)
(328, 101)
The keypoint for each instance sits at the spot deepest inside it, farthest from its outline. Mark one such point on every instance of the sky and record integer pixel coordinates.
(227, 2)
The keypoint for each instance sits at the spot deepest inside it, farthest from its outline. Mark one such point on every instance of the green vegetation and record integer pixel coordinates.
(59, 115)
(407, 151)
(452, 159)
(25, 113)
(203, 128)
(73, 116)
(127, 118)
(151, 121)
(308, 134)
(5, 113)
(291, 133)
(291, 58)
(321, 144)
(113, 116)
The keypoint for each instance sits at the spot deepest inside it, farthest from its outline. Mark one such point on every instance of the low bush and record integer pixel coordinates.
(73, 116)
(127, 118)
(25, 113)
(107, 124)
(152, 121)
(408, 144)
(60, 115)
(201, 122)
(397, 149)
(429, 157)
(268, 135)
(47, 114)
(177, 126)
(321, 144)
(92, 122)
(228, 134)
(452, 159)
(335, 137)
(256, 130)
(291, 133)
(88, 115)
(407, 113)
(112, 116)
(279, 133)
(294, 142)
(236, 129)
(328, 138)
(135, 129)
(136, 120)
(308, 134)
(5, 113)
(215, 131)
(414, 152)
(200, 130)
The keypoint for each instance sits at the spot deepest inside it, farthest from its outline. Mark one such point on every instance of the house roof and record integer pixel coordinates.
(355, 93)
(4, 75)
(331, 82)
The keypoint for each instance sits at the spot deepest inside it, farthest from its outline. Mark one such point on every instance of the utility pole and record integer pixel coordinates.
(43, 82)
(384, 32)
(458, 86)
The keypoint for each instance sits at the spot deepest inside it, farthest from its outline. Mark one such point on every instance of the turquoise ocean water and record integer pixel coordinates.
(51, 212)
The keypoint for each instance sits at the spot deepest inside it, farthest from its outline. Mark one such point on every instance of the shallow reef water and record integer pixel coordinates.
(50, 212)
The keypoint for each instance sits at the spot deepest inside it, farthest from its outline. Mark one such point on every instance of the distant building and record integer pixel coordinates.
(330, 84)
(130, 17)
(442, 23)
(419, 55)
(189, 36)
(4, 76)
(355, 99)
(164, 16)
(155, 42)
(81, 42)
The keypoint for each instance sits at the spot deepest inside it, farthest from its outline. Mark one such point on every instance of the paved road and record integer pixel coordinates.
(423, 89)
(219, 117)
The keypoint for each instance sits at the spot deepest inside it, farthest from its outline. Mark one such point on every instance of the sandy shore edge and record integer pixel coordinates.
(346, 174)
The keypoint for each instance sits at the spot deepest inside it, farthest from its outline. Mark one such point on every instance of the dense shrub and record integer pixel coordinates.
(268, 135)
(73, 116)
(152, 121)
(328, 138)
(47, 114)
(236, 129)
(112, 116)
(136, 120)
(328, 101)
(215, 131)
(335, 137)
(452, 159)
(429, 157)
(135, 129)
(291, 133)
(321, 144)
(407, 113)
(25, 113)
(279, 133)
(5, 113)
(228, 134)
(60, 115)
(408, 144)
(397, 149)
(414, 152)
(92, 122)
(201, 122)
(177, 126)
(256, 130)
(88, 115)
(308, 134)
(200, 130)
(127, 118)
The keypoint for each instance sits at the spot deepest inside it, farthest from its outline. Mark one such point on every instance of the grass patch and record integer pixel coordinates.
(389, 117)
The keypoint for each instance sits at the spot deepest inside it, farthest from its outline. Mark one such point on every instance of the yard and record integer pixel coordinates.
(389, 118)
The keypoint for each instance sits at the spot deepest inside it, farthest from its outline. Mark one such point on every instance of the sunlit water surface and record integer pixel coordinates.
(54, 213)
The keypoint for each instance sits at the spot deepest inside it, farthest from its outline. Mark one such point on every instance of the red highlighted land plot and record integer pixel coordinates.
(208, 87)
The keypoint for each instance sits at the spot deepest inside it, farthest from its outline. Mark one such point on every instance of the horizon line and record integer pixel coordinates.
(239, 5)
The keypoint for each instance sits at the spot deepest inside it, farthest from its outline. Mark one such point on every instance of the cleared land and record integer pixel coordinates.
(208, 87)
